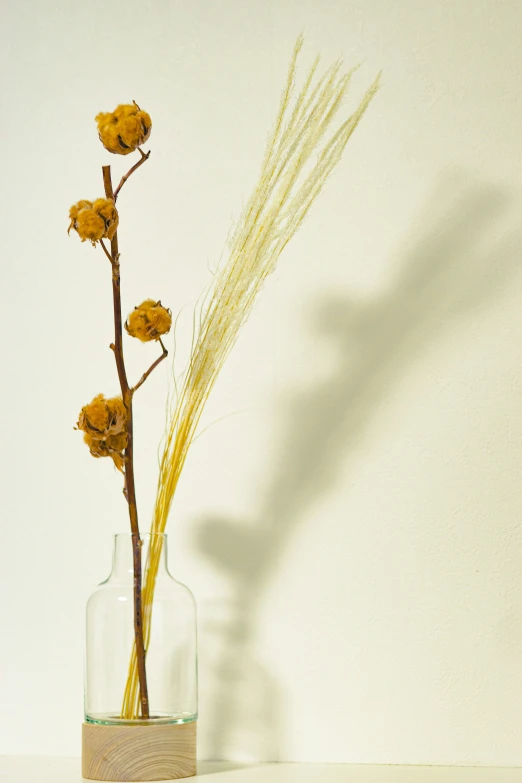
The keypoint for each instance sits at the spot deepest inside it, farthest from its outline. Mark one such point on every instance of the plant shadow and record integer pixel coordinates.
(449, 270)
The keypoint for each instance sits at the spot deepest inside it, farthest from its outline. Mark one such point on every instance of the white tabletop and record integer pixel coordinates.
(67, 770)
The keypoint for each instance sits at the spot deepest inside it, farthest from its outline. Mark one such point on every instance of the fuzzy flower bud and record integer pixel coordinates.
(123, 130)
(104, 423)
(94, 220)
(149, 321)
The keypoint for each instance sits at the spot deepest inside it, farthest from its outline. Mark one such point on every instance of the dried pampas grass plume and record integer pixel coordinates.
(280, 201)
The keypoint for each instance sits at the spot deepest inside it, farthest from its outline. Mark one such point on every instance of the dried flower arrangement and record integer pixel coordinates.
(302, 151)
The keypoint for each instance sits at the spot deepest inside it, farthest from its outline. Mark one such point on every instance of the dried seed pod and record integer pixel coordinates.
(123, 130)
(94, 220)
(104, 422)
(149, 321)
(101, 448)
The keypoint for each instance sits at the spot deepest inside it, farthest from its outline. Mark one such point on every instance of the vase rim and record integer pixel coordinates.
(142, 535)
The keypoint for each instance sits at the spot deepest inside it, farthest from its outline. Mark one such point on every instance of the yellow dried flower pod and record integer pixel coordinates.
(100, 448)
(94, 220)
(104, 422)
(124, 129)
(75, 209)
(149, 321)
(102, 417)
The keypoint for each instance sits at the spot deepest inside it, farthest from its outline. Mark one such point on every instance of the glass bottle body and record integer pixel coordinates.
(171, 643)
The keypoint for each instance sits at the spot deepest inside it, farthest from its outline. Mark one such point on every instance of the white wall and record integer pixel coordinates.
(351, 529)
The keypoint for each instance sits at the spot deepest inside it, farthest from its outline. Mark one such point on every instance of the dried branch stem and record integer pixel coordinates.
(130, 488)
(144, 157)
(151, 368)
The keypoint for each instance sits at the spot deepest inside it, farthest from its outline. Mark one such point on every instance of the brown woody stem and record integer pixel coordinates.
(130, 488)
(144, 157)
(151, 368)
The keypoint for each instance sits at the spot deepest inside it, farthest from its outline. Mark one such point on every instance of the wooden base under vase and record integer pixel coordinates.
(138, 753)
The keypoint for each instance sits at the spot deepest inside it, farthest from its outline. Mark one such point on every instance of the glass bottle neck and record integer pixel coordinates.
(154, 546)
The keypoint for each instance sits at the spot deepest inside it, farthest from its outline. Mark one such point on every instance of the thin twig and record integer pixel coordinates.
(151, 368)
(144, 157)
(102, 243)
(130, 488)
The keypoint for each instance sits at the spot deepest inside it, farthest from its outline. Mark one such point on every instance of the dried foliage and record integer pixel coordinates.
(302, 151)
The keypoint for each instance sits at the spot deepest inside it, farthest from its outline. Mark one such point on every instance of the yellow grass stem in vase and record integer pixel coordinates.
(302, 151)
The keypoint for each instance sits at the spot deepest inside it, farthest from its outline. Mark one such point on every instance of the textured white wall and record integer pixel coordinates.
(351, 529)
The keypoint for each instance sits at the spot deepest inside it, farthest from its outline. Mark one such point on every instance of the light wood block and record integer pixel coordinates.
(139, 753)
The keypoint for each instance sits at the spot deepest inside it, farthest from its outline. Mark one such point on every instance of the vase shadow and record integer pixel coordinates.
(449, 270)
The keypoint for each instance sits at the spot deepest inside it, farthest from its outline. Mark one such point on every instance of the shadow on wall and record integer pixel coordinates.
(448, 272)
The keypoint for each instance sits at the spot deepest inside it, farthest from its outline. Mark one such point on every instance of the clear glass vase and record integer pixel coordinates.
(171, 646)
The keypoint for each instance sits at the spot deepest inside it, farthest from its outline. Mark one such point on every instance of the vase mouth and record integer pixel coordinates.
(151, 545)
(143, 536)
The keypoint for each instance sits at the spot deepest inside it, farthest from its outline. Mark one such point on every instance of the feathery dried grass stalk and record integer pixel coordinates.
(276, 209)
